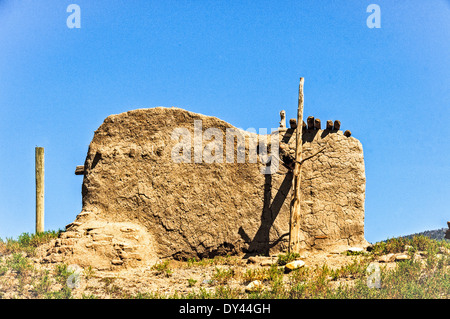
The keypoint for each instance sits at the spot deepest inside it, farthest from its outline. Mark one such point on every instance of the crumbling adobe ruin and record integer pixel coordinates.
(139, 205)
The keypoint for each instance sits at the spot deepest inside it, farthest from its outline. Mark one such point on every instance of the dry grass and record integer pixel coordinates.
(21, 276)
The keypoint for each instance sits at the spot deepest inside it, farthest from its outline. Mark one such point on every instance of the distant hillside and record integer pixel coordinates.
(437, 234)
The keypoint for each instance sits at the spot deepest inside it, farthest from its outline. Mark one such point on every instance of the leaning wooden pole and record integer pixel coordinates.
(294, 222)
(39, 165)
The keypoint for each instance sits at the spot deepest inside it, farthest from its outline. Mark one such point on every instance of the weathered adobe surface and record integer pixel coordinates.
(138, 205)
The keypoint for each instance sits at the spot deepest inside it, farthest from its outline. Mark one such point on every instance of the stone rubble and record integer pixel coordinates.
(296, 264)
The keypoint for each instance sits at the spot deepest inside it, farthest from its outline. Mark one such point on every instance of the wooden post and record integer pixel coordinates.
(310, 121)
(293, 123)
(294, 221)
(39, 189)
(283, 119)
(317, 124)
(79, 170)
(329, 125)
(337, 125)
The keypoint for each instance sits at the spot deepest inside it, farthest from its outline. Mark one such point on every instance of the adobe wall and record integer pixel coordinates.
(185, 210)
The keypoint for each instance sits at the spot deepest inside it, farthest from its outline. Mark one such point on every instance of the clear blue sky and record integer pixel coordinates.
(237, 60)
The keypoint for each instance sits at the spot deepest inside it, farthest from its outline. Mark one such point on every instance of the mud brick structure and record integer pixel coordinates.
(139, 204)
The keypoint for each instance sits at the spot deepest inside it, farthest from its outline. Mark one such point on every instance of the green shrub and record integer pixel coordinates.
(283, 259)
(163, 268)
(416, 243)
(62, 273)
(191, 282)
(19, 264)
(222, 276)
(254, 274)
(27, 242)
(64, 293)
(42, 287)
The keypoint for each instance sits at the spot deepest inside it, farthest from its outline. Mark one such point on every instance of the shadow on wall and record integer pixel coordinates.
(260, 244)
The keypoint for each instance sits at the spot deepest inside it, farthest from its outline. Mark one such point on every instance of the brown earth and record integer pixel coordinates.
(177, 278)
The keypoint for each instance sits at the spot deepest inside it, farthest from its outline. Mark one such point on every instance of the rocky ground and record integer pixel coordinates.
(240, 276)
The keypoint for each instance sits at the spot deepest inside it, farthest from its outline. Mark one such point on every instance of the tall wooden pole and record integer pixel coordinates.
(294, 222)
(39, 165)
